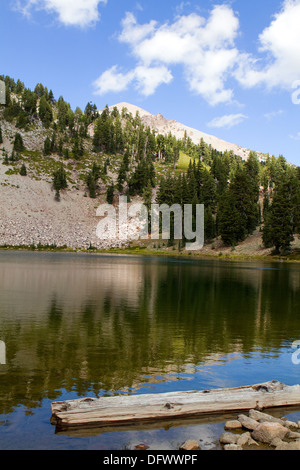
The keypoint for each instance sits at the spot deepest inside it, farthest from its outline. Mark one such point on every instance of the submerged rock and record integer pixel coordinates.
(229, 438)
(190, 445)
(141, 447)
(233, 425)
(232, 447)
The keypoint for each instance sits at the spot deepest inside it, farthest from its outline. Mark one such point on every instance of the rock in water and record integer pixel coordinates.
(267, 432)
(248, 423)
(233, 425)
(232, 447)
(190, 445)
(141, 447)
(229, 438)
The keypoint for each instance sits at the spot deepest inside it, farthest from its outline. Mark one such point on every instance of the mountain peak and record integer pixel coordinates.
(165, 126)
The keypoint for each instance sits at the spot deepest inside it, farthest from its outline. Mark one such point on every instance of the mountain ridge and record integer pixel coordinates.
(164, 126)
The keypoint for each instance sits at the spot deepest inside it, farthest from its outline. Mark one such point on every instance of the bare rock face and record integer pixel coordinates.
(190, 445)
(266, 432)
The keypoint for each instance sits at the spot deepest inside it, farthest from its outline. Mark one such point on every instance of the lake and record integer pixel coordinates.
(78, 325)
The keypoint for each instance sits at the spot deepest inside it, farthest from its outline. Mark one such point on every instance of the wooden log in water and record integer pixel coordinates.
(128, 410)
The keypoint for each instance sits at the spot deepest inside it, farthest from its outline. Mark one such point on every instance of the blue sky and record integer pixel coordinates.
(231, 69)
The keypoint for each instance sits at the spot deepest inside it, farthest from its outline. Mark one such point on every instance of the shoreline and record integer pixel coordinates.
(144, 252)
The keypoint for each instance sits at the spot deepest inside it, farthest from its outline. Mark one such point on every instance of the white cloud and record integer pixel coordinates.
(145, 79)
(229, 120)
(70, 12)
(112, 81)
(150, 78)
(204, 48)
(279, 43)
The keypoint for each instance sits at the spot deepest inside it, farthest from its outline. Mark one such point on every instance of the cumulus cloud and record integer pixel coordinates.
(229, 120)
(145, 79)
(69, 12)
(204, 48)
(279, 45)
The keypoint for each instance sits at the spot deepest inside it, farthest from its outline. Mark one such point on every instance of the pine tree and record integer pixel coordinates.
(230, 222)
(1, 138)
(45, 112)
(47, 146)
(6, 159)
(92, 179)
(23, 171)
(18, 143)
(245, 195)
(209, 225)
(110, 194)
(60, 179)
(279, 225)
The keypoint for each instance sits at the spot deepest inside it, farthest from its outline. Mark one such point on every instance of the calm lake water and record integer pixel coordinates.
(78, 325)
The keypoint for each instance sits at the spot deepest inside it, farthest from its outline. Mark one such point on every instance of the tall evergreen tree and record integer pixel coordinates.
(60, 179)
(47, 146)
(18, 143)
(230, 222)
(110, 194)
(279, 225)
(23, 170)
(45, 111)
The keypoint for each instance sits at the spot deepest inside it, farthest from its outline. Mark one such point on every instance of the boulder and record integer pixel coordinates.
(190, 445)
(263, 417)
(289, 445)
(141, 447)
(229, 438)
(246, 440)
(293, 435)
(276, 442)
(233, 425)
(248, 423)
(290, 424)
(268, 431)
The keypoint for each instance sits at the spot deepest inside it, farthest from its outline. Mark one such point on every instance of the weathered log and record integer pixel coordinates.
(128, 410)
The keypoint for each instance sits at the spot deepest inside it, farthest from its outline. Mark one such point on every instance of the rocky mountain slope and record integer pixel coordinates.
(165, 126)
(29, 213)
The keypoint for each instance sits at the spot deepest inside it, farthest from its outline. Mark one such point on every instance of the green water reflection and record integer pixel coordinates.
(76, 325)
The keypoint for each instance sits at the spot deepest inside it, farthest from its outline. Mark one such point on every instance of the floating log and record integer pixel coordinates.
(135, 409)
